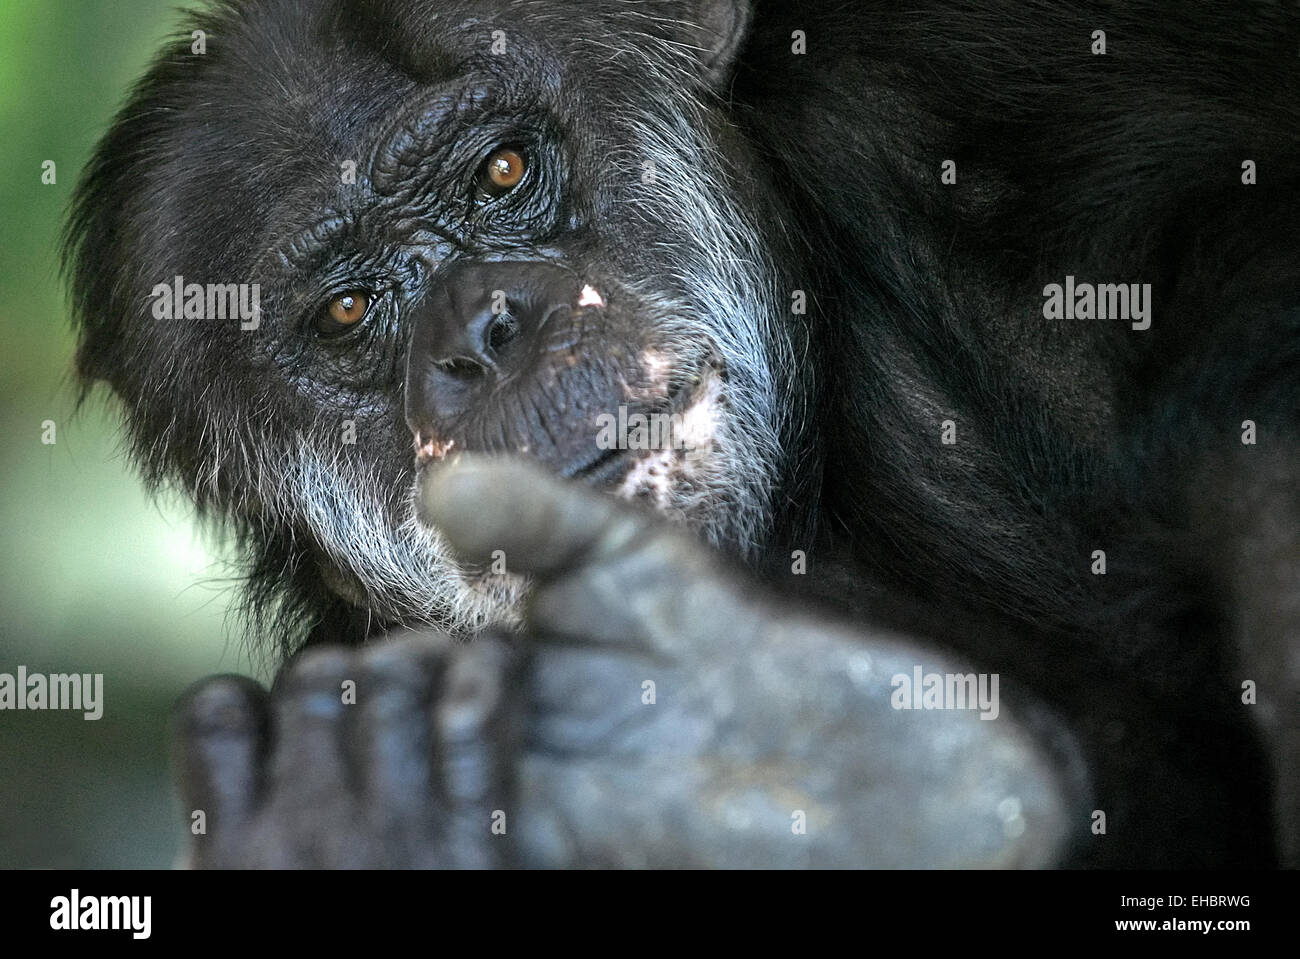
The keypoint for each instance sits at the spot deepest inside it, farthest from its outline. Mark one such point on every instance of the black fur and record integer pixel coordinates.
(925, 305)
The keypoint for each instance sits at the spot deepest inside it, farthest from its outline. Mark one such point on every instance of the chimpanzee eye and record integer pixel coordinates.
(343, 312)
(502, 171)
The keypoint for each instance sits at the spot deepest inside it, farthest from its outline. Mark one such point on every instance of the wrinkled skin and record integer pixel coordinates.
(550, 727)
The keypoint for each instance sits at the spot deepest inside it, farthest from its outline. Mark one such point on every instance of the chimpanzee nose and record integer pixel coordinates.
(478, 325)
(476, 313)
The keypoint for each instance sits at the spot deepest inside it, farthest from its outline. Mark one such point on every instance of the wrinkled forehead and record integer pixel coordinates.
(438, 38)
(297, 77)
(288, 90)
(334, 69)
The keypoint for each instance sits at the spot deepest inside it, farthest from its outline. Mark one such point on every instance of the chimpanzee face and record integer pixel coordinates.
(474, 228)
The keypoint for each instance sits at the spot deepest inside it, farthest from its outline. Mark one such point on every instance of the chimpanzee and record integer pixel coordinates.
(722, 432)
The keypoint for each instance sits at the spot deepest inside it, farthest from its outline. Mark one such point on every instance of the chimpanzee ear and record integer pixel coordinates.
(717, 29)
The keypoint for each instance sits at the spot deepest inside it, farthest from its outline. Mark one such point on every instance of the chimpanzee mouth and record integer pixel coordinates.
(680, 424)
(601, 470)
(650, 439)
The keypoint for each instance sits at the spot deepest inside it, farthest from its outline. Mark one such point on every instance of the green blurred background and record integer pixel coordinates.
(94, 576)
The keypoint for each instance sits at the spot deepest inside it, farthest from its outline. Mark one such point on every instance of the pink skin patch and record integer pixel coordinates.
(690, 450)
(590, 296)
(426, 450)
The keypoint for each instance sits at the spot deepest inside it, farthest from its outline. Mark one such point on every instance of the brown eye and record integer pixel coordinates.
(503, 171)
(344, 311)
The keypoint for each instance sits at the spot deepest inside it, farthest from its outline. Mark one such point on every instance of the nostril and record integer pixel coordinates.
(503, 330)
